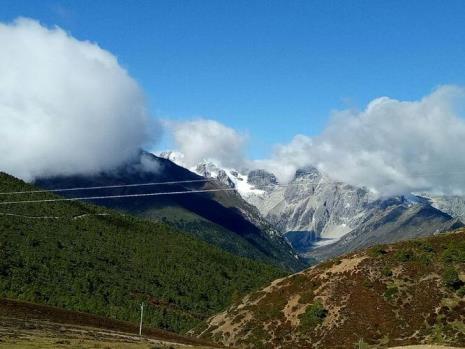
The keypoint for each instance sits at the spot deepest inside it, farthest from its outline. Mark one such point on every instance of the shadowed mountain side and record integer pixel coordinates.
(254, 236)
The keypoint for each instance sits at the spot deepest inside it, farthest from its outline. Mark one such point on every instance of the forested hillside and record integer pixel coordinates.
(220, 218)
(87, 258)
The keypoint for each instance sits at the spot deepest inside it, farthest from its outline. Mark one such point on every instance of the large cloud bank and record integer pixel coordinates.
(66, 106)
(391, 147)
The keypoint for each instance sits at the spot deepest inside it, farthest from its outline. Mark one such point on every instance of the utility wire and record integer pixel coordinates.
(158, 183)
(335, 182)
(150, 184)
(105, 187)
(115, 196)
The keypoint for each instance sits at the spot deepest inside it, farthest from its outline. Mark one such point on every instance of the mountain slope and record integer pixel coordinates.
(391, 221)
(222, 218)
(311, 208)
(88, 258)
(410, 292)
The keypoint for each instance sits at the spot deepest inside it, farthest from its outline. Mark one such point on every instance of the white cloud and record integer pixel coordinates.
(390, 147)
(66, 106)
(287, 158)
(204, 139)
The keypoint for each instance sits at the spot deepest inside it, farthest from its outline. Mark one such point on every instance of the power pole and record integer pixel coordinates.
(141, 317)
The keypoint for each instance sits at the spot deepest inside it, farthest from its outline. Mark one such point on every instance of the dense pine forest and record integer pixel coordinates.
(87, 258)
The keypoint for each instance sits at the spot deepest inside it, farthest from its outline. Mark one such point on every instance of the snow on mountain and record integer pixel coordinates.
(228, 176)
(174, 156)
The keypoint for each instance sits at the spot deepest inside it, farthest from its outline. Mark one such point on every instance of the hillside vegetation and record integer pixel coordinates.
(411, 292)
(86, 258)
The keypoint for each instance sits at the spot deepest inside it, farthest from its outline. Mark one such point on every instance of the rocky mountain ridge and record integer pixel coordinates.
(315, 212)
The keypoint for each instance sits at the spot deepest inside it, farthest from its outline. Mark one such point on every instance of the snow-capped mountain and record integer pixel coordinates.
(174, 156)
(228, 176)
(313, 211)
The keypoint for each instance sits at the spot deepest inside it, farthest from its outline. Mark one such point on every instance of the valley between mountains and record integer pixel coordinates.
(314, 263)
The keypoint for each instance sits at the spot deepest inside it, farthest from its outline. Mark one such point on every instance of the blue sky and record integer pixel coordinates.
(271, 69)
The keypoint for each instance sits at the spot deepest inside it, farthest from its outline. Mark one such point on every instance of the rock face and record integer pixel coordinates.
(209, 170)
(312, 208)
(406, 293)
(323, 218)
(262, 179)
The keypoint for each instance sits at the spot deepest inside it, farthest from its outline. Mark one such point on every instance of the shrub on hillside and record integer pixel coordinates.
(451, 279)
(313, 316)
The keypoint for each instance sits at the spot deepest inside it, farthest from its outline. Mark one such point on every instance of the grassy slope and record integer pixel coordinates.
(29, 325)
(96, 260)
(410, 292)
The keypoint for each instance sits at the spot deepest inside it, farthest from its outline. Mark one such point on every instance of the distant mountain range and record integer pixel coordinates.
(312, 216)
(322, 217)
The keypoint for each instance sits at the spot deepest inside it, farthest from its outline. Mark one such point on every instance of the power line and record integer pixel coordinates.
(321, 183)
(115, 196)
(149, 184)
(104, 187)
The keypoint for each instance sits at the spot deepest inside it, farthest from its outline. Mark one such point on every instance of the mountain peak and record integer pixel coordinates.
(261, 179)
(308, 172)
(174, 156)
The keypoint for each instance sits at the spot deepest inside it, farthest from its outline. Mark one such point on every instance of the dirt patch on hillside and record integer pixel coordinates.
(293, 310)
(345, 265)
